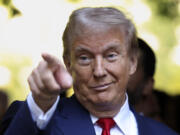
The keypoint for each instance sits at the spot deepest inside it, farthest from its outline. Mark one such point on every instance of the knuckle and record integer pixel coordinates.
(42, 62)
(35, 92)
(55, 89)
(41, 87)
(45, 78)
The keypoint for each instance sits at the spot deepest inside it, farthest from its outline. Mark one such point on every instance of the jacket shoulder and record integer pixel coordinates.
(10, 113)
(149, 126)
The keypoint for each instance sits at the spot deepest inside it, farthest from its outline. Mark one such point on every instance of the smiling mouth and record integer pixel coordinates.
(101, 87)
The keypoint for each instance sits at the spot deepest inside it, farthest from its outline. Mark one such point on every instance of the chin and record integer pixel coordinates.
(103, 102)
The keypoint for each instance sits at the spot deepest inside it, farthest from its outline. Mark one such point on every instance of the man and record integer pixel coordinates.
(100, 54)
(141, 83)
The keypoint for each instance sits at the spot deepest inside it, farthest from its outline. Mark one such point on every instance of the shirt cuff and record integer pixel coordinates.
(38, 115)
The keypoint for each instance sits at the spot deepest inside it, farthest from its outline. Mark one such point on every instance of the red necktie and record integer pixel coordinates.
(106, 124)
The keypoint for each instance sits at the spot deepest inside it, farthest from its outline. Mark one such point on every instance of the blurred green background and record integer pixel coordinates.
(30, 27)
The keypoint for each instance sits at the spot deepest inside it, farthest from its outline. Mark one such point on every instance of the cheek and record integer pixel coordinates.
(81, 75)
(120, 70)
(81, 78)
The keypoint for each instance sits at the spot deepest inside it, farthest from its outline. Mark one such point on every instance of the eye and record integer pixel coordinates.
(84, 59)
(112, 56)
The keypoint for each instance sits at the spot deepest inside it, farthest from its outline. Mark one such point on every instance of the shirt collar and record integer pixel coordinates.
(123, 117)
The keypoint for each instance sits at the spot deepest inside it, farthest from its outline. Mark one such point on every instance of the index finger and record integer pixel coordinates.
(52, 61)
(61, 75)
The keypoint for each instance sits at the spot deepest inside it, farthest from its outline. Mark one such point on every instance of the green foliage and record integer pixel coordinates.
(15, 63)
(13, 11)
(5, 2)
(165, 18)
(166, 8)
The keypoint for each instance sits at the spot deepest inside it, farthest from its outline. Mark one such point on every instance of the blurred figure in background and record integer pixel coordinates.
(144, 98)
(3, 103)
(141, 83)
(169, 109)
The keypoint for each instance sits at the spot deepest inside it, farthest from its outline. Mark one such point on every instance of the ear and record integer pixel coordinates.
(67, 62)
(133, 65)
(149, 86)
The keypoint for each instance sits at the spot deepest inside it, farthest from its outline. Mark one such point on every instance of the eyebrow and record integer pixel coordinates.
(108, 47)
(82, 48)
(111, 46)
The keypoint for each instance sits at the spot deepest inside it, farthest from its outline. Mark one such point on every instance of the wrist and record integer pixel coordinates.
(45, 103)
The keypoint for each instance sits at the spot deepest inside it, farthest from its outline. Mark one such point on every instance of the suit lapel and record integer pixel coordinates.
(71, 119)
(141, 124)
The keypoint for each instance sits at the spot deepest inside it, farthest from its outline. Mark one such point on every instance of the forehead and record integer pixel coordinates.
(99, 40)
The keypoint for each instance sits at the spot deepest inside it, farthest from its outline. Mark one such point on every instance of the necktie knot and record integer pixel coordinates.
(106, 124)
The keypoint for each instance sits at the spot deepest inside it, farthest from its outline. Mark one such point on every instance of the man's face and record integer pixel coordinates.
(100, 67)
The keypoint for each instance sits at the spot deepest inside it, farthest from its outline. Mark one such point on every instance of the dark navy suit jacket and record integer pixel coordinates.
(70, 118)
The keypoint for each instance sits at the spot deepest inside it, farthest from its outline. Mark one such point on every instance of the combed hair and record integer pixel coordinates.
(98, 18)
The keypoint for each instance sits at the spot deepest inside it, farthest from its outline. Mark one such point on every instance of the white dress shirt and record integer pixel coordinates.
(38, 115)
(125, 120)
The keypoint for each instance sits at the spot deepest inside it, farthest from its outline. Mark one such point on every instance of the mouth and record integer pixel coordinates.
(101, 87)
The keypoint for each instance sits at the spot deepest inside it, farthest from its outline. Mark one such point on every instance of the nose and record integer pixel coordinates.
(99, 70)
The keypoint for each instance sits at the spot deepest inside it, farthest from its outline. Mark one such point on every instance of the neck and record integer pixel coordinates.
(103, 114)
(103, 110)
